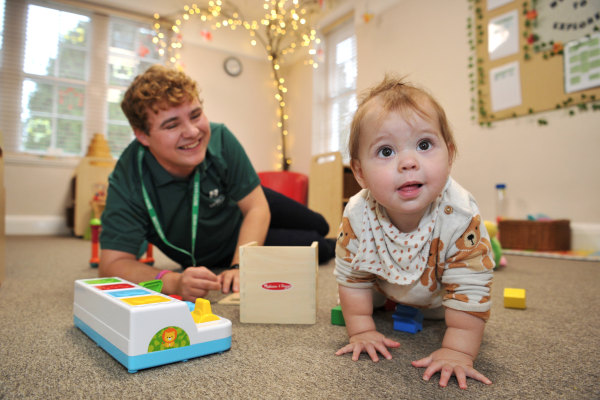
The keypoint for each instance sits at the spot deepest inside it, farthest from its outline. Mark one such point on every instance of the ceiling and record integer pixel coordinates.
(235, 42)
(250, 9)
(165, 8)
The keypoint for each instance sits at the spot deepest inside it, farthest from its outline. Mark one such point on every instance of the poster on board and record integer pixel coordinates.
(582, 63)
(503, 35)
(505, 86)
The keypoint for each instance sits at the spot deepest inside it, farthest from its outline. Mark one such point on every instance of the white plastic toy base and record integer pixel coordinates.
(141, 328)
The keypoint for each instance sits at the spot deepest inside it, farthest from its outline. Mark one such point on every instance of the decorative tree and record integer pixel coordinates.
(285, 28)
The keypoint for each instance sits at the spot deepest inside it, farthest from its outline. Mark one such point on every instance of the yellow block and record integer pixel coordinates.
(514, 298)
(202, 311)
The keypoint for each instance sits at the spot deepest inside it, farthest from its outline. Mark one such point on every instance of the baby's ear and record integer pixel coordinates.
(451, 154)
(358, 173)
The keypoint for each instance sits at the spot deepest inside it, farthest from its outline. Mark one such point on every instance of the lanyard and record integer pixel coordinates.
(154, 218)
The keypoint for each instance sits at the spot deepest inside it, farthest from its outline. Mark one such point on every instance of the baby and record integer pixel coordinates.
(412, 233)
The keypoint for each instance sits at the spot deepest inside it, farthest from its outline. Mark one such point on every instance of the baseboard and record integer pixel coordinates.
(36, 225)
(585, 236)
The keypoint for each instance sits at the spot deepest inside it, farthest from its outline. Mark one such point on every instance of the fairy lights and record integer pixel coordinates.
(284, 29)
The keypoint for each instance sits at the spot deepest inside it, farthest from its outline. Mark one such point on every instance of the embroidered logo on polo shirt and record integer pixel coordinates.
(215, 198)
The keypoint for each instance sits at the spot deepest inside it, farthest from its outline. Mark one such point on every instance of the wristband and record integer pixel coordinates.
(235, 266)
(162, 273)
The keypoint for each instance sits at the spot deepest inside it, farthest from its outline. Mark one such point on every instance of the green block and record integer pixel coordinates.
(337, 318)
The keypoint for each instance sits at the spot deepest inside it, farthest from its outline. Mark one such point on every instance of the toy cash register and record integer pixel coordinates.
(142, 328)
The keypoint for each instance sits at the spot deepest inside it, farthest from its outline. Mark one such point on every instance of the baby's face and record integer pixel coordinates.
(404, 161)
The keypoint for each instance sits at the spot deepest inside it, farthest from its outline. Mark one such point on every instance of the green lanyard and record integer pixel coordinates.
(154, 218)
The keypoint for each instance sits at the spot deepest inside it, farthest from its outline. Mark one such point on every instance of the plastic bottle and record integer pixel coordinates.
(500, 201)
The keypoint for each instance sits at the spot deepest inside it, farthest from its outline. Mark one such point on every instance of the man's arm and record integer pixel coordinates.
(255, 225)
(194, 282)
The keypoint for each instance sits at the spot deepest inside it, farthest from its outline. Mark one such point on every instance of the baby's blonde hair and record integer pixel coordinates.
(395, 95)
(158, 88)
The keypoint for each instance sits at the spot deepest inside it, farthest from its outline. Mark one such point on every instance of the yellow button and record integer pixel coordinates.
(141, 300)
(448, 210)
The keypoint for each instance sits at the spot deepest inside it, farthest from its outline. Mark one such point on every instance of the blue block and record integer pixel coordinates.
(407, 319)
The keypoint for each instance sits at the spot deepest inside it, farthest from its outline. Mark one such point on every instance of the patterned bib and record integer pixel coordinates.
(397, 257)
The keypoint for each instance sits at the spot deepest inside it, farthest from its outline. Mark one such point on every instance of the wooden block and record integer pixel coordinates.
(514, 298)
(232, 300)
(278, 284)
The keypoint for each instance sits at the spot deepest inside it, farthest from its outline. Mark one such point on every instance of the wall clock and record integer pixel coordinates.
(233, 66)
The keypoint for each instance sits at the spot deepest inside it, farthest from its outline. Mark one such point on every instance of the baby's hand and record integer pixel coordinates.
(370, 342)
(450, 362)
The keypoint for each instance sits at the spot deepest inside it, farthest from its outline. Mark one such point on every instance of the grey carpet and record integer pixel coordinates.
(548, 351)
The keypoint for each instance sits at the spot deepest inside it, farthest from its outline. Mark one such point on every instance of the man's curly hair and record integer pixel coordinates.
(158, 88)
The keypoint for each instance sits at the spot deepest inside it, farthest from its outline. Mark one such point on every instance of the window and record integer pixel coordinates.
(55, 75)
(341, 86)
(67, 91)
(131, 52)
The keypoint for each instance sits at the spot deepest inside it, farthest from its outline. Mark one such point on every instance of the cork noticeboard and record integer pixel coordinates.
(531, 60)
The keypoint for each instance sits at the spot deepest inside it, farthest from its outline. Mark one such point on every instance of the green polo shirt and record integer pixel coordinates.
(226, 176)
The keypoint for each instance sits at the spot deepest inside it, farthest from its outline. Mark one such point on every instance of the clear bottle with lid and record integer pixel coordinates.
(500, 201)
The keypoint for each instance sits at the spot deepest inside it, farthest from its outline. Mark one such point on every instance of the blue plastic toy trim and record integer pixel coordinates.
(156, 358)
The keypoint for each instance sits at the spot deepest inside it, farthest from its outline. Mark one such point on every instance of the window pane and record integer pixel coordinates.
(37, 96)
(122, 69)
(343, 77)
(119, 136)
(49, 108)
(115, 96)
(119, 131)
(123, 35)
(70, 101)
(38, 133)
(68, 136)
(72, 63)
(342, 111)
(50, 35)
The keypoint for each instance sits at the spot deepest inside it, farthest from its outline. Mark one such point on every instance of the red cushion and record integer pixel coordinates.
(290, 184)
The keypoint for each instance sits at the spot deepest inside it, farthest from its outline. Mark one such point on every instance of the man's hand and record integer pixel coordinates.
(450, 362)
(369, 342)
(196, 282)
(230, 280)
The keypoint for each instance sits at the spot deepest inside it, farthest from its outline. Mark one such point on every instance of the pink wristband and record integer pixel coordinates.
(162, 273)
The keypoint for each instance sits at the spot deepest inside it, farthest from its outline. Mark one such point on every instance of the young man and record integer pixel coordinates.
(187, 186)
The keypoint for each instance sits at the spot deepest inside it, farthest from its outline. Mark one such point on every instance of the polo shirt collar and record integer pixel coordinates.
(161, 176)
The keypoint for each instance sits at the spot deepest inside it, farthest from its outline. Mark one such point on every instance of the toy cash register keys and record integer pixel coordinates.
(142, 328)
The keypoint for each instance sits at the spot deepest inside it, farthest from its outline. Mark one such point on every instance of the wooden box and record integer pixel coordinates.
(554, 235)
(278, 284)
